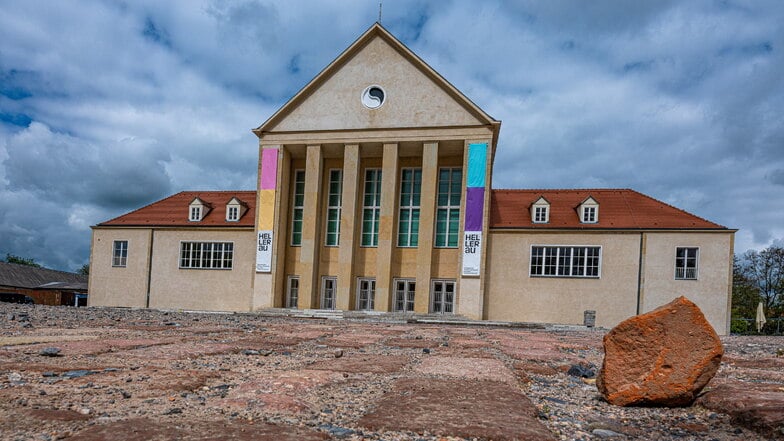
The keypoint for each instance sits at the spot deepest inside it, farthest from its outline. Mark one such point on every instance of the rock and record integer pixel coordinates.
(578, 370)
(604, 433)
(757, 406)
(50, 352)
(14, 377)
(661, 358)
(426, 350)
(250, 352)
(77, 373)
(338, 353)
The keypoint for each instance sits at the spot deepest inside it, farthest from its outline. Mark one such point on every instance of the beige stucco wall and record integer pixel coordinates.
(119, 286)
(710, 291)
(513, 295)
(202, 289)
(336, 103)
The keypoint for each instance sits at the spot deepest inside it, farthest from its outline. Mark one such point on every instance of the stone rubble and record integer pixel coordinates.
(149, 380)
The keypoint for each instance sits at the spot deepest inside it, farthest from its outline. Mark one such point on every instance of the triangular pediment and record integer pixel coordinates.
(415, 96)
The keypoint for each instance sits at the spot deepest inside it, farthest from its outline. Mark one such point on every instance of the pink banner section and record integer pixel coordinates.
(269, 169)
(475, 204)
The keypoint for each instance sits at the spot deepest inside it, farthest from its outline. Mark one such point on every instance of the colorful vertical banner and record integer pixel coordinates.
(268, 179)
(474, 209)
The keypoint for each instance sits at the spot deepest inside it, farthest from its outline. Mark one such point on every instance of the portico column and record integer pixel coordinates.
(386, 227)
(427, 206)
(351, 183)
(309, 252)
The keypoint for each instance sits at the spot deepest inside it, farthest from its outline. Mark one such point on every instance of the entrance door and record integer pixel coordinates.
(328, 291)
(366, 294)
(442, 300)
(292, 293)
(404, 295)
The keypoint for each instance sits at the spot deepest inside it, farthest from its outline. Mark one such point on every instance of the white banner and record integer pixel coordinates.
(264, 252)
(472, 253)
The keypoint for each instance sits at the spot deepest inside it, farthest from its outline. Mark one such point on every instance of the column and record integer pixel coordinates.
(309, 252)
(427, 207)
(386, 227)
(351, 183)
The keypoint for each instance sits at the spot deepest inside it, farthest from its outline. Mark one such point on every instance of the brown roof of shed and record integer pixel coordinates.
(173, 211)
(25, 276)
(618, 209)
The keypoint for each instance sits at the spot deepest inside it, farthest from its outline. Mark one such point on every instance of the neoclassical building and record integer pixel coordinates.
(375, 193)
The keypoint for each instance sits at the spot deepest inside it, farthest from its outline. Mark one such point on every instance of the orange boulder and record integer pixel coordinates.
(662, 358)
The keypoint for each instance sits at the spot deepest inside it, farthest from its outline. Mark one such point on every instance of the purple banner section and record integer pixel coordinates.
(269, 169)
(475, 204)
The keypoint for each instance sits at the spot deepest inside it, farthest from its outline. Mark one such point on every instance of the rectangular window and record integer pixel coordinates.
(195, 214)
(292, 292)
(366, 294)
(589, 215)
(405, 289)
(206, 255)
(450, 183)
(120, 253)
(442, 297)
(540, 215)
(408, 220)
(329, 290)
(565, 261)
(298, 207)
(371, 207)
(334, 202)
(686, 263)
(233, 214)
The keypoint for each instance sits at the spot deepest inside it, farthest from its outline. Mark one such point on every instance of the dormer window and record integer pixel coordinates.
(197, 210)
(195, 214)
(589, 211)
(232, 214)
(540, 211)
(235, 208)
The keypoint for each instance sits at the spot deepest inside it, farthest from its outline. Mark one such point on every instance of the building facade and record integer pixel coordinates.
(375, 193)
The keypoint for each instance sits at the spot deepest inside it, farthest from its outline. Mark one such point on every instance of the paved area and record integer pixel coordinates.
(95, 374)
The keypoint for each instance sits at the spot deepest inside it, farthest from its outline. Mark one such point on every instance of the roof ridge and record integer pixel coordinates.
(678, 209)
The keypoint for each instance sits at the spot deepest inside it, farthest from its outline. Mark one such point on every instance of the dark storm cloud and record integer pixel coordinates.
(106, 106)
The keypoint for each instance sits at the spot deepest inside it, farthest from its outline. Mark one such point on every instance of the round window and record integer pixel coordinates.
(373, 97)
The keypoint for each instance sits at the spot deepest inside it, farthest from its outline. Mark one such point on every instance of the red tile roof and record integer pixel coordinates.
(618, 209)
(173, 211)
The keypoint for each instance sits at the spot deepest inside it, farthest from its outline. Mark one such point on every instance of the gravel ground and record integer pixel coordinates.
(103, 373)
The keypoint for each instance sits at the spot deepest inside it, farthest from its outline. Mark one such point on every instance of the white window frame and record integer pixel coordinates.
(336, 208)
(449, 208)
(195, 213)
(443, 302)
(323, 301)
(374, 209)
(409, 296)
(409, 207)
(195, 259)
(291, 288)
(558, 267)
(232, 213)
(370, 301)
(541, 214)
(297, 208)
(684, 275)
(120, 260)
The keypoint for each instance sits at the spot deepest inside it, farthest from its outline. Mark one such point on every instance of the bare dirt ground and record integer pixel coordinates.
(152, 375)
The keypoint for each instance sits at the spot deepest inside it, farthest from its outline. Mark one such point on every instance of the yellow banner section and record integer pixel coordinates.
(266, 209)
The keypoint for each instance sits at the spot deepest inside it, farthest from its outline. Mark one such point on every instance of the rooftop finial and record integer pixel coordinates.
(380, 3)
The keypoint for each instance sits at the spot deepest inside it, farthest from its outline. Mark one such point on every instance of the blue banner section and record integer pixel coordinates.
(477, 161)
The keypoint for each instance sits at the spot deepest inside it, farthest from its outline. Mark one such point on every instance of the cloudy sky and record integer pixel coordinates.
(106, 106)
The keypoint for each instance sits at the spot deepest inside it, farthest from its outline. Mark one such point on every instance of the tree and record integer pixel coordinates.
(745, 296)
(10, 258)
(84, 270)
(764, 273)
